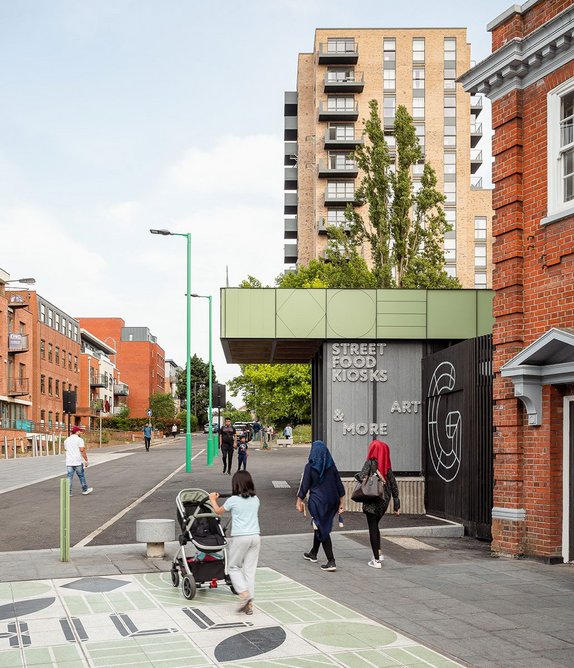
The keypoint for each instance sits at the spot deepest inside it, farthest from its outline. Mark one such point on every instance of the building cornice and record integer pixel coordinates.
(511, 11)
(522, 61)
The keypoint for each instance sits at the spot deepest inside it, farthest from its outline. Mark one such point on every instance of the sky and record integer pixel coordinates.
(118, 116)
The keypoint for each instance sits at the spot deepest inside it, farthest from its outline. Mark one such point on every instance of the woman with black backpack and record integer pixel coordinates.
(379, 463)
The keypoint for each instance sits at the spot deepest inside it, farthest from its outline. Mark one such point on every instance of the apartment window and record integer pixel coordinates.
(42, 349)
(450, 270)
(420, 133)
(450, 215)
(449, 136)
(336, 217)
(340, 189)
(390, 140)
(450, 48)
(389, 108)
(450, 163)
(63, 325)
(450, 250)
(69, 329)
(480, 280)
(57, 387)
(418, 168)
(342, 131)
(75, 363)
(50, 415)
(389, 50)
(50, 383)
(480, 256)
(418, 77)
(57, 356)
(449, 106)
(42, 384)
(50, 317)
(341, 74)
(42, 313)
(57, 419)
(418, 50)
(340, 103)
(339, 160)
(450, 193)
(561, 148)
(50, 352)
(340, 45)
(42, 416)
(480, 228)
(57, 321)
(63, 358)
(70, 361)
(389, 79)
(418, 107)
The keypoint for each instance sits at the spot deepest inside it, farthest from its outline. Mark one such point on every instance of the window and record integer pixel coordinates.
(340, 103)
(57, 387)
(57, 321)
(49, 352)
(389, 50)
(340, 189)
(42, 313)
(450, 48)
(389, 79)
(450, 250)
(389, 108)
(418, 107)
(336, 217)
(50, 317)
(42, 349)
(418, 77)
(50, 418)
(75, 363)
(480, 256)
(63, 358)
(339, 160)
(480, 228)
(63, 325)
(480, 280)
(449, 106)
(450, 270)
(70, 361)
(561, 148)
(391, 141)
(340, 45)
(57, 356)
(42, 416)
(450, 215)
(450, 163)
(69, 329)
(342, 131)
(418, 50)
(341, 74)
(418, 168)
(50, 383)
(420, 132)
(450, 193)
(449, 136)
(57, 419)
(43, 384)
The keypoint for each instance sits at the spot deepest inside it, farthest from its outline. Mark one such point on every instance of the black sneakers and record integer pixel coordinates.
(329, 566)
(310, 557)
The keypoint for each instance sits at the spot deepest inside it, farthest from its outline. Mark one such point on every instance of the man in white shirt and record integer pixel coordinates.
(76, 457)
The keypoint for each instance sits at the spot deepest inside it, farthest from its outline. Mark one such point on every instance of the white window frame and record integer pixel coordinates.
(556, 204)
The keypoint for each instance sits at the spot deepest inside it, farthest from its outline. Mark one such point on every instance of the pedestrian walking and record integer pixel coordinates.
(321, 480)
(379, 461)
(147, 436)
(245, 539)
(242, 448)
(227, 443)
(174, 430)
(76, 459)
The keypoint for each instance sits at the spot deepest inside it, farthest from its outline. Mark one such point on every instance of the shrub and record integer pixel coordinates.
(302, 433)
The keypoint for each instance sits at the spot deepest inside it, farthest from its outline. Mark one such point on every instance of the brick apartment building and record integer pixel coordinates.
(138, 358)
(530, 79)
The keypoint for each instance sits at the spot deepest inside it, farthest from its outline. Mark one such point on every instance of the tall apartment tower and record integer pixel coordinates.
(324, 117)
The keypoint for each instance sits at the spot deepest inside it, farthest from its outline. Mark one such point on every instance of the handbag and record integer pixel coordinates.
(370, 489)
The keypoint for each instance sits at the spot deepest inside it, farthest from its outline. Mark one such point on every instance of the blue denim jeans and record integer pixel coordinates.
(80, 471)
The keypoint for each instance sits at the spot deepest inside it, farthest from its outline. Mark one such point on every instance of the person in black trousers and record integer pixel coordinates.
(227, 443)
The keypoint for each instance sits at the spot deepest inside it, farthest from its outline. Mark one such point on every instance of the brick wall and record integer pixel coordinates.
(520, 25)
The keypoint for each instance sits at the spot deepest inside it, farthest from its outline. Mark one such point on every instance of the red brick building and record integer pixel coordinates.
(530, 79)
(139, 359)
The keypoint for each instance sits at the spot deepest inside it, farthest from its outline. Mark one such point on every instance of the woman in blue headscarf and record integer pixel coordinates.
(322, 482)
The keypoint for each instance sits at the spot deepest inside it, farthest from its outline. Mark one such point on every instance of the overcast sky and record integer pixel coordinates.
(121, 115)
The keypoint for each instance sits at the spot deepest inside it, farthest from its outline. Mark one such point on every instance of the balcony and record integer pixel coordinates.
(341, 197)
(476, 104)
(338, 53)
(323, 224)
(334, 168)
(290, 253)
(290, 228)
(354, 83)
(17, 301)
(18, 343)
(475, 133)
(98, 381)
(291, 200)
(476, 183)
(335, 138)
(475, 160)
(290, 178)
(121, 390)
(18, 387)
(348, 112)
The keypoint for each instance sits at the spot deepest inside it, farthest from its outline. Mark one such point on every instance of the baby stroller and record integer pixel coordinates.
(202, 527)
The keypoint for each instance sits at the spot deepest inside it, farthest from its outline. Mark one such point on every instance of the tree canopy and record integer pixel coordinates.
(199, 387)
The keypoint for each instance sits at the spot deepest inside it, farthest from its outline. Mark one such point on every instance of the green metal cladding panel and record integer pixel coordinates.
(301, 314)
(484, 317)
(451, 314)
(401, 314)
(351, 314)
(248, 314)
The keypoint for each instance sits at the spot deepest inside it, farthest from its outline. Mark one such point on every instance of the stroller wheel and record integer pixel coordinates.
(175, 577)
(188, 587)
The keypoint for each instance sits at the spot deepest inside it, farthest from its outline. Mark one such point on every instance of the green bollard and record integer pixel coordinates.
(209, 451)
(64, 520)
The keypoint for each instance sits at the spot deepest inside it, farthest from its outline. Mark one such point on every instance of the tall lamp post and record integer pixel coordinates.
(211, 447)
(188, 346)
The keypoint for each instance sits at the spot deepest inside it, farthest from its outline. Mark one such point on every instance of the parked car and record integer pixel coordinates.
(213, 428)
(242, 428)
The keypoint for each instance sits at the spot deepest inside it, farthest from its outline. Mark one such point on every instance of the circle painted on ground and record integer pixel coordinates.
(28, 589)
(345, 634)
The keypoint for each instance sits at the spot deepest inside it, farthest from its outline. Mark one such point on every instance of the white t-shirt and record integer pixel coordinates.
(73, 444)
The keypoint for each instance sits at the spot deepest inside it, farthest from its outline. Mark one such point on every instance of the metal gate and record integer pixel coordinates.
(457, 437)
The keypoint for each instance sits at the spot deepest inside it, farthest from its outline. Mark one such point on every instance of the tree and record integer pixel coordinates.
(199, 387)
(236, 415)
(278, 393)
(162, 406)
(405, 230)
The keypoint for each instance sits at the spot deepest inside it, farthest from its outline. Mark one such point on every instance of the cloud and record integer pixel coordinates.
(123, 214)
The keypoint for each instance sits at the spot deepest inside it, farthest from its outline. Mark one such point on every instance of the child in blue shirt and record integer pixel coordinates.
(242, 453)
(245, 539)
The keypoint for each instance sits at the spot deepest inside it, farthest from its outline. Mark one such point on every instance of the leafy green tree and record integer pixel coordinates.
(234, 414)
(162, 406)
(405, 230)
(199, 388)
(278, 393)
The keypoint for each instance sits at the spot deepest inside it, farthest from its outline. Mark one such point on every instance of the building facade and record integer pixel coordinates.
(530, 79)
(324, 121)
(138, 357)
(172, 371)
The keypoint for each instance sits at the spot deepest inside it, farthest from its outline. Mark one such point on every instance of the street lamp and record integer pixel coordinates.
(28, 281)
(188, 346)
(211, 447)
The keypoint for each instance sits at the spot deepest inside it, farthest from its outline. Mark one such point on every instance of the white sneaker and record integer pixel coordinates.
(88, 491)
(375, 563)
(381, 557)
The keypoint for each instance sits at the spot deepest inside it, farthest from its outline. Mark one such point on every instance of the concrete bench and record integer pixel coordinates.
(156, 533)
(284, 441)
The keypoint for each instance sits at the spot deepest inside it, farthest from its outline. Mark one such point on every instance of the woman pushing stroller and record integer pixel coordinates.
(245, 539)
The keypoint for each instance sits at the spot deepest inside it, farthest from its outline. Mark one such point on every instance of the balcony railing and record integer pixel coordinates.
(323, 224)
(353, 83)
(18, 386)
(476, 104)
(17, 343)
(334, 138)
(98, 381)
(476, 183)
(476, 128)
(333, 168)
(347, 112)
(121, 389)
(340, 197)
(342, 53)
